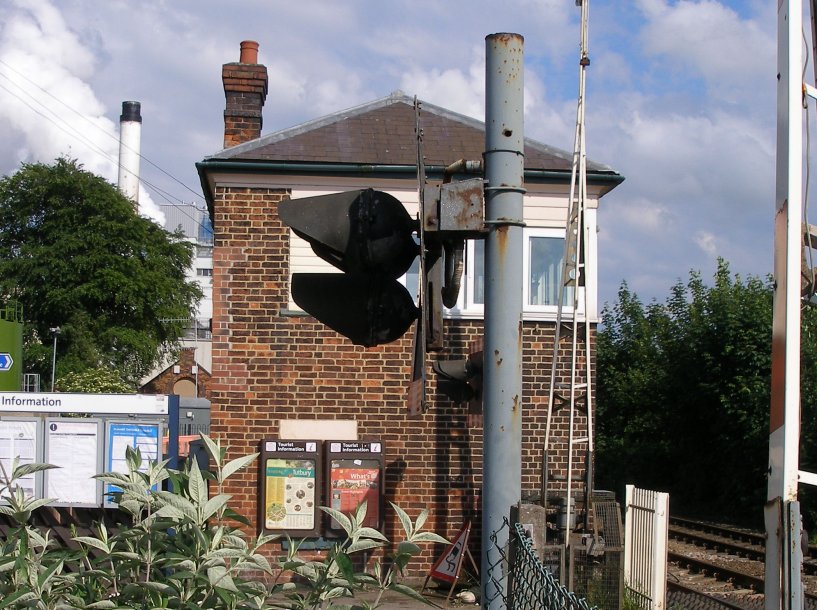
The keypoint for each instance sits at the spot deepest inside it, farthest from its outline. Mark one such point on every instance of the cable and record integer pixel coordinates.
(82, 116)
(806, 246)
(82, 138)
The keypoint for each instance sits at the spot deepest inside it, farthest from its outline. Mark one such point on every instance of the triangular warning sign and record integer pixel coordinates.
(447, 567)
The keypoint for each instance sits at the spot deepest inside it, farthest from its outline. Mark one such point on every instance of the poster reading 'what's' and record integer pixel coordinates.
(354, 481)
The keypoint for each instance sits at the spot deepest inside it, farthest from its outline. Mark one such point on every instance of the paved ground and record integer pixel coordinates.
(394, 601)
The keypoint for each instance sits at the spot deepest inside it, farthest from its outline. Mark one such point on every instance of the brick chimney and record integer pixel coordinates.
(245, 87)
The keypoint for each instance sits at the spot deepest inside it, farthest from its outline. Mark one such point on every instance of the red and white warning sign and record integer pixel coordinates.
(447, 567)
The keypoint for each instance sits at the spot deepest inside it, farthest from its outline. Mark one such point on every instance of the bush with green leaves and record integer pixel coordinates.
(183, 548)
(95, 381)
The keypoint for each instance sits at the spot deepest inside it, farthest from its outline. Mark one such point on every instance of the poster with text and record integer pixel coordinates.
(18, 439)
(290, 501)
(146, 437)
(74, 446)
(353, 481)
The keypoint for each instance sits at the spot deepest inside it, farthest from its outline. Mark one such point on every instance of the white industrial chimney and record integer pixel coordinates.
(130, 138)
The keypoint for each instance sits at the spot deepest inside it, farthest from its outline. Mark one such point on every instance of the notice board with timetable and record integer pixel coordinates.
(145, 436)
(355, 473)
(290, 487)
(20, 439)
(76, 445)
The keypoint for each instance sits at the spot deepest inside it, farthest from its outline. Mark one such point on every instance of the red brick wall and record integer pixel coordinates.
(269, 364)
(165, 382)
(245, 90)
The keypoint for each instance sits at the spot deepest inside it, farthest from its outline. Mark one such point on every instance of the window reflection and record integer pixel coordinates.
(545, 265)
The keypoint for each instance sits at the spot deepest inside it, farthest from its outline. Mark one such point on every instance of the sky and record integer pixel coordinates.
(680, 99)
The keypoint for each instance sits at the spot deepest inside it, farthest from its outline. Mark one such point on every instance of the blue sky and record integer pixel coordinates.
(681, 98)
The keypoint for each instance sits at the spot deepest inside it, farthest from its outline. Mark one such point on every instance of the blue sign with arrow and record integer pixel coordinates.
(5, 361)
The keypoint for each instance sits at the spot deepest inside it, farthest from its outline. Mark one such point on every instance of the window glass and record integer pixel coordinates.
(545, 256)
(205, 229)
(411, 279)
(542, 267)
(479, 272)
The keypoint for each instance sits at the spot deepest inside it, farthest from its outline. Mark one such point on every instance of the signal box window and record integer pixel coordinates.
(542, 267)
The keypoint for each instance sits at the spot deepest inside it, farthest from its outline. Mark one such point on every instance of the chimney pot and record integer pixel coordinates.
(249, 52)
(245, 89)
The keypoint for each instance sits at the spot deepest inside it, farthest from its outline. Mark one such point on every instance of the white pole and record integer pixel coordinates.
(783, 588)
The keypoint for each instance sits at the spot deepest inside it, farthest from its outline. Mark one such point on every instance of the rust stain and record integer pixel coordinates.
(502, 242)
(506, 39)
(470, 206)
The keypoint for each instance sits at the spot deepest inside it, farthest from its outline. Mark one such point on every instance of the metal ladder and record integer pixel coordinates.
(574, 394)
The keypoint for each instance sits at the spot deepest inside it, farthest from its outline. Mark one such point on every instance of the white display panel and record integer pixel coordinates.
(75, 445)
(20, 438)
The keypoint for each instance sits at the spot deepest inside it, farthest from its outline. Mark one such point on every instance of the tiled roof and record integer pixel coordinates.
(383, 133)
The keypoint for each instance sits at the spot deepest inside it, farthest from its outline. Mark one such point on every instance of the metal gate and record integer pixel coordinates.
(645, 547)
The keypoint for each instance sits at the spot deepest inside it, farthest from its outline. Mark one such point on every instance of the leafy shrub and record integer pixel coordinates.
(183, 548)
(94, 381)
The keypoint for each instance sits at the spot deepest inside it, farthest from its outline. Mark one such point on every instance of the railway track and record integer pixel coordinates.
(730, 555)
(688, 598)
(733, 541)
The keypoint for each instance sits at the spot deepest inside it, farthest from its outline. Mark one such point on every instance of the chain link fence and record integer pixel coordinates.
(531, 585)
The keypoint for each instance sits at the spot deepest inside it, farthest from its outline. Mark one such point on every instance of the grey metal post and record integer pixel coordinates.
(502, 373)
(55, 331)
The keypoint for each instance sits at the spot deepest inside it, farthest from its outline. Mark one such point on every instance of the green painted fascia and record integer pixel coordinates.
(610, 179)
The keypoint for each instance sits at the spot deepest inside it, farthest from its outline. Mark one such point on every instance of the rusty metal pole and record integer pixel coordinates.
(502, 373)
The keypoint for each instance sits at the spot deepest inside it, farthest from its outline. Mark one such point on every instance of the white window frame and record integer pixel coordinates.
(533, 312)
(466, 308)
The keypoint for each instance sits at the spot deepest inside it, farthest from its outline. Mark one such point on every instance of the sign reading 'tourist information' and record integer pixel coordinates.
(290, 487)
(354, 475)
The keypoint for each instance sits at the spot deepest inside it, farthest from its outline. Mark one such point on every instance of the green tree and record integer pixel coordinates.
(683, 394)
(78, 257)
(94, 381)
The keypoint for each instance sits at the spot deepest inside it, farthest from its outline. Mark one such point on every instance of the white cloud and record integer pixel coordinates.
(45, 99)
(711, 40)
(455, 89)
(680, 96)
(643, 217)
(707, 242)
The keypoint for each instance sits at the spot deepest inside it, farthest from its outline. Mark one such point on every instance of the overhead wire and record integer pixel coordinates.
(65, 126)
(85, 118)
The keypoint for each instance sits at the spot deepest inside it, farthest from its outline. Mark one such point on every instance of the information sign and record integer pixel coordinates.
(144, 436)
(354, 475)
(18, 438)
(75, 445)
(290, 487)
(57, 402)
